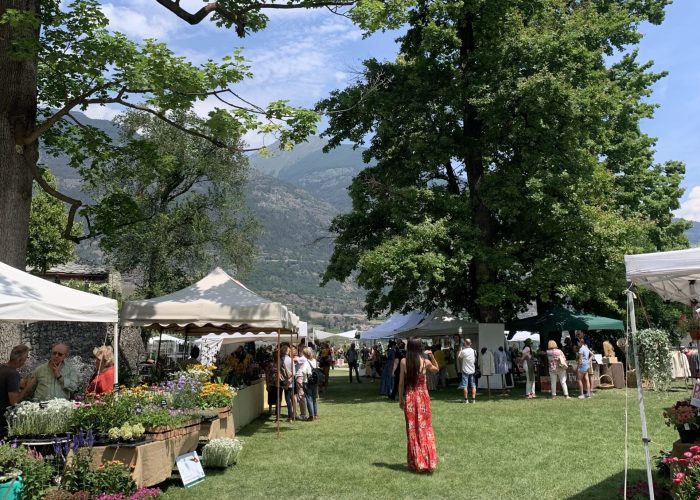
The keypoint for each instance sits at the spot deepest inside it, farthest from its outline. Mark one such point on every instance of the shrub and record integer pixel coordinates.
(221, 453)
(654, 353)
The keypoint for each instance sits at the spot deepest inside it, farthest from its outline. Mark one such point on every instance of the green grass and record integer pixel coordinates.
(502, 447)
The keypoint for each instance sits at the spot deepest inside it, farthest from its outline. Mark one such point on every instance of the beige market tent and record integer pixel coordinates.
(217, 302)
(25, 298)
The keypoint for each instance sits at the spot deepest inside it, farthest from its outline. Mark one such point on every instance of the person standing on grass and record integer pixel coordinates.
(556, 360)
(309, 383)
(299, 394)
(325, 364)
(467, 363)
(286, 382)
(351, 358)
(400, 354)
(584, 363)
(528, 359)
(414, 400)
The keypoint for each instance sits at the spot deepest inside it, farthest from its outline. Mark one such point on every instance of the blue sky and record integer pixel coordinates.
(303, 55)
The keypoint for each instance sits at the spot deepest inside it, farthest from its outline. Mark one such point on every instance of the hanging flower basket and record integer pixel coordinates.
(690, 324)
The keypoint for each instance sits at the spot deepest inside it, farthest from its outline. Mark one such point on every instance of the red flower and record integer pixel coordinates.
(678, 478)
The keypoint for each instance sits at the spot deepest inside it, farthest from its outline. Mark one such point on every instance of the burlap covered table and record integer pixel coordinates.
(217, 428)
(152, 462)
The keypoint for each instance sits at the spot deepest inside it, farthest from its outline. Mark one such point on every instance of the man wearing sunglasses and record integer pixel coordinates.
(55, 378)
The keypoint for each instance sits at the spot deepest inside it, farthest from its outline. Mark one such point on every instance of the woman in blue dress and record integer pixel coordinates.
(387, 383)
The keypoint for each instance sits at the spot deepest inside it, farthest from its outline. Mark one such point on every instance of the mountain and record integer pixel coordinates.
(693, 234)
(295, 195)
(326, 176)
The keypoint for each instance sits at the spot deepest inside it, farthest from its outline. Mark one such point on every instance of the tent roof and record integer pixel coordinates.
(522, 336)
(217, 302)
(438, 324)
(165, 338)
(25, 298)
(559, 318)
(670, 274)
(396, 322)
(321, 335)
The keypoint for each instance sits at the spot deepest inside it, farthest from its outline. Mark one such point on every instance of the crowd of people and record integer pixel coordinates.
(50, 380)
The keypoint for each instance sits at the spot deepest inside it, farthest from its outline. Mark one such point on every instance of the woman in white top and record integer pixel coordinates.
(557, 361)
(529, 369)
(310, 388)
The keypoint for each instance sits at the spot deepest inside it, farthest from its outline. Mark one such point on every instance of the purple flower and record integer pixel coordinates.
(66, 447)
(14, 443)
(58, 451)
(76, 443)
(90, 439)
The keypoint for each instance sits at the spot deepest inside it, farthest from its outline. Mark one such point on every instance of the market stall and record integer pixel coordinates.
(216, 303)
(25, 298)
(673, 275)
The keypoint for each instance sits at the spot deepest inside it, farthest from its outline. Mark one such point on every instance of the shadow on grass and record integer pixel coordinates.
(396, 467)
(612, 486)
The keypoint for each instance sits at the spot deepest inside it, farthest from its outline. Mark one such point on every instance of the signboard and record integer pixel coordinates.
(190, 467)
(695, 401)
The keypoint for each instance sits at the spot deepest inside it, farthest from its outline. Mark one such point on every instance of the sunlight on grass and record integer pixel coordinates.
(500, 447)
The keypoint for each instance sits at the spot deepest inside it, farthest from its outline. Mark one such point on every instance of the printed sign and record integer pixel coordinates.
(695, 401)
(190, 467)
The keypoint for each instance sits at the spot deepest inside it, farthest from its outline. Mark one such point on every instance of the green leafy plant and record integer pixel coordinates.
(654, 352)
(127, 432)
(37, 474)
(682, 413)
(39, 419)
(221, 453)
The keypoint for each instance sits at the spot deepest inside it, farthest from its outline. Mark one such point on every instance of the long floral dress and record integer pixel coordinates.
(421, 452)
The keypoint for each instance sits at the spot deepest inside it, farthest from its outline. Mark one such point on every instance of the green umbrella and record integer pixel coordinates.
(558, 319)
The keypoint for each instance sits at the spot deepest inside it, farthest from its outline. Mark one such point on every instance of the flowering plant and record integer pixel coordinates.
(221, 453)
(126, 432)
(216, 395)
(201, 372)
(685, 478)
(39, 419)
(681, 413)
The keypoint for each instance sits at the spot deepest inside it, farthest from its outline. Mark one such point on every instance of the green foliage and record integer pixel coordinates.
(47, 220)
(37, 474)
(171, 205)
(221, 453)
(109, 478)
(509, 161)
(653, 349)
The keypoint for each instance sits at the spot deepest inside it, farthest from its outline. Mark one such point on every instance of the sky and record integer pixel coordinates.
(303, 55)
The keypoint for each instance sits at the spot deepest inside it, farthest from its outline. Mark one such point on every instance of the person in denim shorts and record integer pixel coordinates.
(467, 361)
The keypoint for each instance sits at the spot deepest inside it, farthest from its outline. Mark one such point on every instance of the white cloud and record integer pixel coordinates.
(102, 112)
(140, 20)
(690, 208)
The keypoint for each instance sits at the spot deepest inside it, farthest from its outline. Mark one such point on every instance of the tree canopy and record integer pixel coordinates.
(510, 165)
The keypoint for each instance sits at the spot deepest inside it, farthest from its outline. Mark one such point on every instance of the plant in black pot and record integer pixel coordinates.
(684, 418)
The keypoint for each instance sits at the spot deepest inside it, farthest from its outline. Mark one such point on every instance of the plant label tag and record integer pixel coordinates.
(190, 467)
(695, 400)
(138, 410)
(686, 427)
(163, 403)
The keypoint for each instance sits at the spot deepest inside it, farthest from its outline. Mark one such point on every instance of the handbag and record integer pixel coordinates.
(563, 365)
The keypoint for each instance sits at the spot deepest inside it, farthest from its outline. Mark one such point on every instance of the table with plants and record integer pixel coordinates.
(133, 433)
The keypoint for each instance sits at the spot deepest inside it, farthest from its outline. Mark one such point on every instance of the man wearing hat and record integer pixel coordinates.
(10, 392)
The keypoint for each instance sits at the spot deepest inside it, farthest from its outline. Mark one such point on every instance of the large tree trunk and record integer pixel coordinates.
(480, 273)
(18, 105)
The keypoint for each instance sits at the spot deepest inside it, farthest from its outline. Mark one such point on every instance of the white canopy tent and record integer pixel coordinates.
(673, 275)
(521, 336)
(396, 323)
(439, 323)
(217, 302)
(25, 298)
(321, 335)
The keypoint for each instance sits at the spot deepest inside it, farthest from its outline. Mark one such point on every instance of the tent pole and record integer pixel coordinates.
(160, 340)
(640, 394)
(279, 410)
(184, 348)
(116, 354)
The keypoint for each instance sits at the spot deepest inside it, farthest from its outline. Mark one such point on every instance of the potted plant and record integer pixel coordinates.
(690, 324)
(684, 418)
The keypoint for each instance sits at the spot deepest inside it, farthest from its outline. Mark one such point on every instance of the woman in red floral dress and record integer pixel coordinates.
(415, 402)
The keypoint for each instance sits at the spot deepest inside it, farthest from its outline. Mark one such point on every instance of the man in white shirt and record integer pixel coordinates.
(467, 362)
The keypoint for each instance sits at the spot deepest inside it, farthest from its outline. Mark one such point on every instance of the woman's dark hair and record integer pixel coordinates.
(414, 354)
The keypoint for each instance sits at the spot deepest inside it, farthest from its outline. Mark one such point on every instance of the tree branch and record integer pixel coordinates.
(49, 189)
(50, 122)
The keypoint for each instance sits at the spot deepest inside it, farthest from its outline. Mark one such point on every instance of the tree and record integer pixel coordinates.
(56, 58)
(171, 205)
(509, 162)
(47, 247)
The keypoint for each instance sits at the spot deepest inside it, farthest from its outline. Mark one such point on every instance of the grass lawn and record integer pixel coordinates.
(501, 447)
